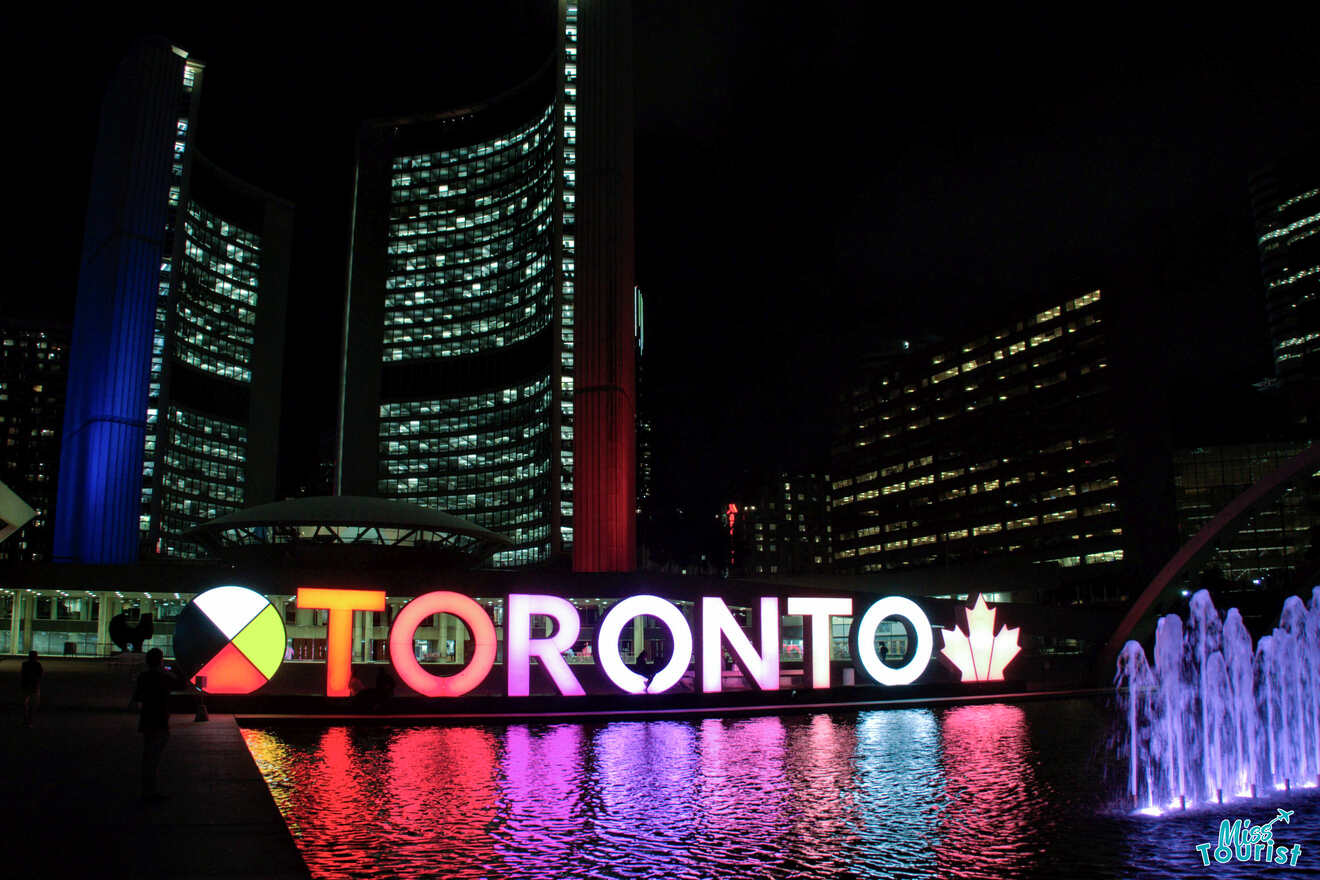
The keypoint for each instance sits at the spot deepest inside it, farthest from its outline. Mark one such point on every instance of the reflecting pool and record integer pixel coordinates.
(965, 792)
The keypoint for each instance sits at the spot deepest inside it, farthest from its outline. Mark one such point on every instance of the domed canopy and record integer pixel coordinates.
(345, 528)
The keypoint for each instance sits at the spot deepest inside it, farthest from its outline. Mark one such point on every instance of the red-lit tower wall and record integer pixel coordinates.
(605, 520)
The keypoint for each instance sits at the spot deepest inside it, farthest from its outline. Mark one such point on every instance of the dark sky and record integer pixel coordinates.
(811, 178)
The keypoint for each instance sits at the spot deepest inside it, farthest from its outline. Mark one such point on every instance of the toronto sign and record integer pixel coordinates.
(978, 653)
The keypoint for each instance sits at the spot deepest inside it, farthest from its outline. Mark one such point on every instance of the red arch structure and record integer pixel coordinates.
(1203, 544)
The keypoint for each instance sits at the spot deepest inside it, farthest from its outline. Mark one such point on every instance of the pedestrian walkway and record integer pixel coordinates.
(71, 805)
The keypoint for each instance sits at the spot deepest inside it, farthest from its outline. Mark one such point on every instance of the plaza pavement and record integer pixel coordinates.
(71, 806)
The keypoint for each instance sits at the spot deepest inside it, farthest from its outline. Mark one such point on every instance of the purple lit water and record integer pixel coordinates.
(991, 791)
(1213, 721)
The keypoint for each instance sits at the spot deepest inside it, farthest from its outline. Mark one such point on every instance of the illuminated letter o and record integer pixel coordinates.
(405, 661)
(607, 644)
(894, 606)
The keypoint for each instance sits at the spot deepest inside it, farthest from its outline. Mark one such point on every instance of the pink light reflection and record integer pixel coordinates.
(439, 794)
(992, 792)
(542, 784)
(521, 647)
(743, 790)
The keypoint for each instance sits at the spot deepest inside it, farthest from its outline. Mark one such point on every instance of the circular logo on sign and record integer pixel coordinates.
(230, 637)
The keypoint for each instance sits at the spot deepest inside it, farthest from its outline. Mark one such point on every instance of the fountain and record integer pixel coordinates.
(1212, 719)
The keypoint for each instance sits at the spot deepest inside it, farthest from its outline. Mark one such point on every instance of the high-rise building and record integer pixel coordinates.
(488, 351)
(783, 527)
(1034, 439)
(1285, 198)
(33, 363)
(176, 358)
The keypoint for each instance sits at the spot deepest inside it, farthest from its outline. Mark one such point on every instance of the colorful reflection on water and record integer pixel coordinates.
(967, 792)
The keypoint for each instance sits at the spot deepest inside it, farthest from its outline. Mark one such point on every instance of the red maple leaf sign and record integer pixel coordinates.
(980, 654)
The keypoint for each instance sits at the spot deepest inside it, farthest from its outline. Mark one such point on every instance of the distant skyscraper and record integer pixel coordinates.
(176, 361)
(783, 527)
(33, 363)
(1285, 198)
(488, 353)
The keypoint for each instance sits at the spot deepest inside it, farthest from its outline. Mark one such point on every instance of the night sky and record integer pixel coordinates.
(812, 179)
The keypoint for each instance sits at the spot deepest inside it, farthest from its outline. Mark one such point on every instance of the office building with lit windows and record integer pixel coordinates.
(177, 351)
(782, 527)
(488, 365)
(1285, 198)
(1038, 439)
(33, 363)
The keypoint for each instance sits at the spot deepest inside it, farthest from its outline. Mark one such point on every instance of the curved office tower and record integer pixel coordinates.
(450, 356)
(489, 353)
(213, 412)
(174, 374)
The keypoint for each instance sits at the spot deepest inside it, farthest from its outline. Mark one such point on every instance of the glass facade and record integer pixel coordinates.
(217, 309)
(470, 274)
(194, 462)
(1278, 539)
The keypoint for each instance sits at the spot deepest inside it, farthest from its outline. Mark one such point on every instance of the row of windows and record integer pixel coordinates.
(1284, 231)
(507, 293)
(223, 228)
(178, 460)
(220, 265)
(419, 162)
(896, 547)
(207, 491)
(533, 448)
(454, 249)
(472, 201)
(434, 337)
(412, 260)
(435, 429)
(401, 417)
(452, 444)
(494, 509)
(1050, 494)
(465, 483)
(216, 437)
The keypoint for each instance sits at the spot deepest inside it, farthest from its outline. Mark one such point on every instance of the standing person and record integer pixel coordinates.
(152, 695)
(31, 683)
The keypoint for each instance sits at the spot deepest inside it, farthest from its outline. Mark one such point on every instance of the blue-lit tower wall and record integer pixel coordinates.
(448, 395)
(1286, 202)
(213, 413)
(137, 176)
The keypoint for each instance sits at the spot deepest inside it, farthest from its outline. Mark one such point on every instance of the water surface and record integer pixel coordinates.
(965, 792)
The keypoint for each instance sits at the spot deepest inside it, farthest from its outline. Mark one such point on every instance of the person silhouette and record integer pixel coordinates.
(646, 666)
(152, 696)
(31, 675)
